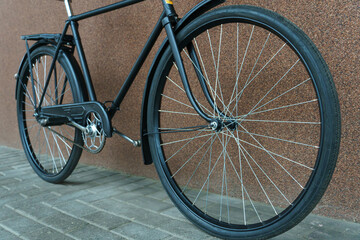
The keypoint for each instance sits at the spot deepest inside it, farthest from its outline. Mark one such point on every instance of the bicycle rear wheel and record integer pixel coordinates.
(53, 157)
(266, 159)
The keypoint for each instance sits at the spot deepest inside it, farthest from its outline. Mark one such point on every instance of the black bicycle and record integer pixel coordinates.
(240, 114)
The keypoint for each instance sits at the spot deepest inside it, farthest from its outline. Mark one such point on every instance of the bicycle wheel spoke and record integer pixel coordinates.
(177, 101)
(189, 140)
(197, 167)
(241, 177)
(247, 194)
(257, 179)
(279, 121)
(266, 93)
(268, 152)
(243, 60)
(213, 56)
(217, 80)
(191, 157)
(272, 88)
(48, 152)
(273, 153)
(300, 84)
(49, 147)
(186, 139)
(280, 139)
(257, 74)
(34, 125)
(61, 156)
(183, 113)
(286, 106)
(208, 177)
(212, 91)
(242, 149)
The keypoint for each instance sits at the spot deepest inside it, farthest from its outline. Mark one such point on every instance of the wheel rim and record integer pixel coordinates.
(48, 152)
(277, 167)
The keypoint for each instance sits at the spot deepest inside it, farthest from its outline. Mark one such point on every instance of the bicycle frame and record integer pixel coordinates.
(167, 20)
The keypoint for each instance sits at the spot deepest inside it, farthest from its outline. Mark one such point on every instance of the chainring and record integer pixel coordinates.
(94, 136)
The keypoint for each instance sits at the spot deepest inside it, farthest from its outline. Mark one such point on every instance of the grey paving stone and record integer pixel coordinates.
(35, 210)
(90, 232)
(337, 225)
(174, 213)
(150, 203)
(19, 173)
(88, 174)
(6, 213)
(317, 235)
(75, 208)
(173, 238)
(64, 222)
(138, 231)
(150, 189)
(155, 220)
(7, 181)
(18, 188)
(67, 197)
(105, 220)
(127, 196)
(130, 187)
(7, 235)
(9, 198)
(20, 224)
(92, 197)
(182, 229)
(119, 208)
(298, 232)
(45, 233)
(104, 187)
(113, 178)
(160, 195)
(68, 188)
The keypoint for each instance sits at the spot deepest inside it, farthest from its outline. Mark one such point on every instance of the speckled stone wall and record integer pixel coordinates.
(113, 41)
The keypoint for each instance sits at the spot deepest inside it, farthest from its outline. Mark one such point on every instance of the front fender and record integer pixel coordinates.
(198, 10)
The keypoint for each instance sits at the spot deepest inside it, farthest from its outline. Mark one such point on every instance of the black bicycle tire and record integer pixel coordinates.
(71, 69)
(330, 107)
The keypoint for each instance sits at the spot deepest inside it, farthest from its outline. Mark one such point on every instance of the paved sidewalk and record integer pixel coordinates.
(101, 204)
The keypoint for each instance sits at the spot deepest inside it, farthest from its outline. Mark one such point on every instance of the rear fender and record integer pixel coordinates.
(44, 40)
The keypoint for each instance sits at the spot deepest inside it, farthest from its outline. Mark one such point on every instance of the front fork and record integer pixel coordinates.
(168, 22)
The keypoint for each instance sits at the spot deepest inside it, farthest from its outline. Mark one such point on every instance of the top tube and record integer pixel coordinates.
(101, 10)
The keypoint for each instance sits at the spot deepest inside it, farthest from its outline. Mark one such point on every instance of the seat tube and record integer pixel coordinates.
(83, 62)
(68, 8)
(168, 22)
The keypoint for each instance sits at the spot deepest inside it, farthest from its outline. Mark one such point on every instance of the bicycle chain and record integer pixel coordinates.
(78, 145)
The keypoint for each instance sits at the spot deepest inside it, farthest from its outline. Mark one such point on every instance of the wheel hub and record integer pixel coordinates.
(218, 125)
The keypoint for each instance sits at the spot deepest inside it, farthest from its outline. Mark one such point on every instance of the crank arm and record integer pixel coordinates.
(136, 143)
(78, 126)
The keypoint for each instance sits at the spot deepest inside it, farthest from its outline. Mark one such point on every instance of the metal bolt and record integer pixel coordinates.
(214, 125)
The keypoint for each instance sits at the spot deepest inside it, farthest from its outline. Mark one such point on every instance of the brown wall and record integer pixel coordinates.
(113, 41)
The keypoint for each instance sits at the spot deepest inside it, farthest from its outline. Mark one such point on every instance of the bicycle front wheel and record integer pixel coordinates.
(266, 159)
(52, 156)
